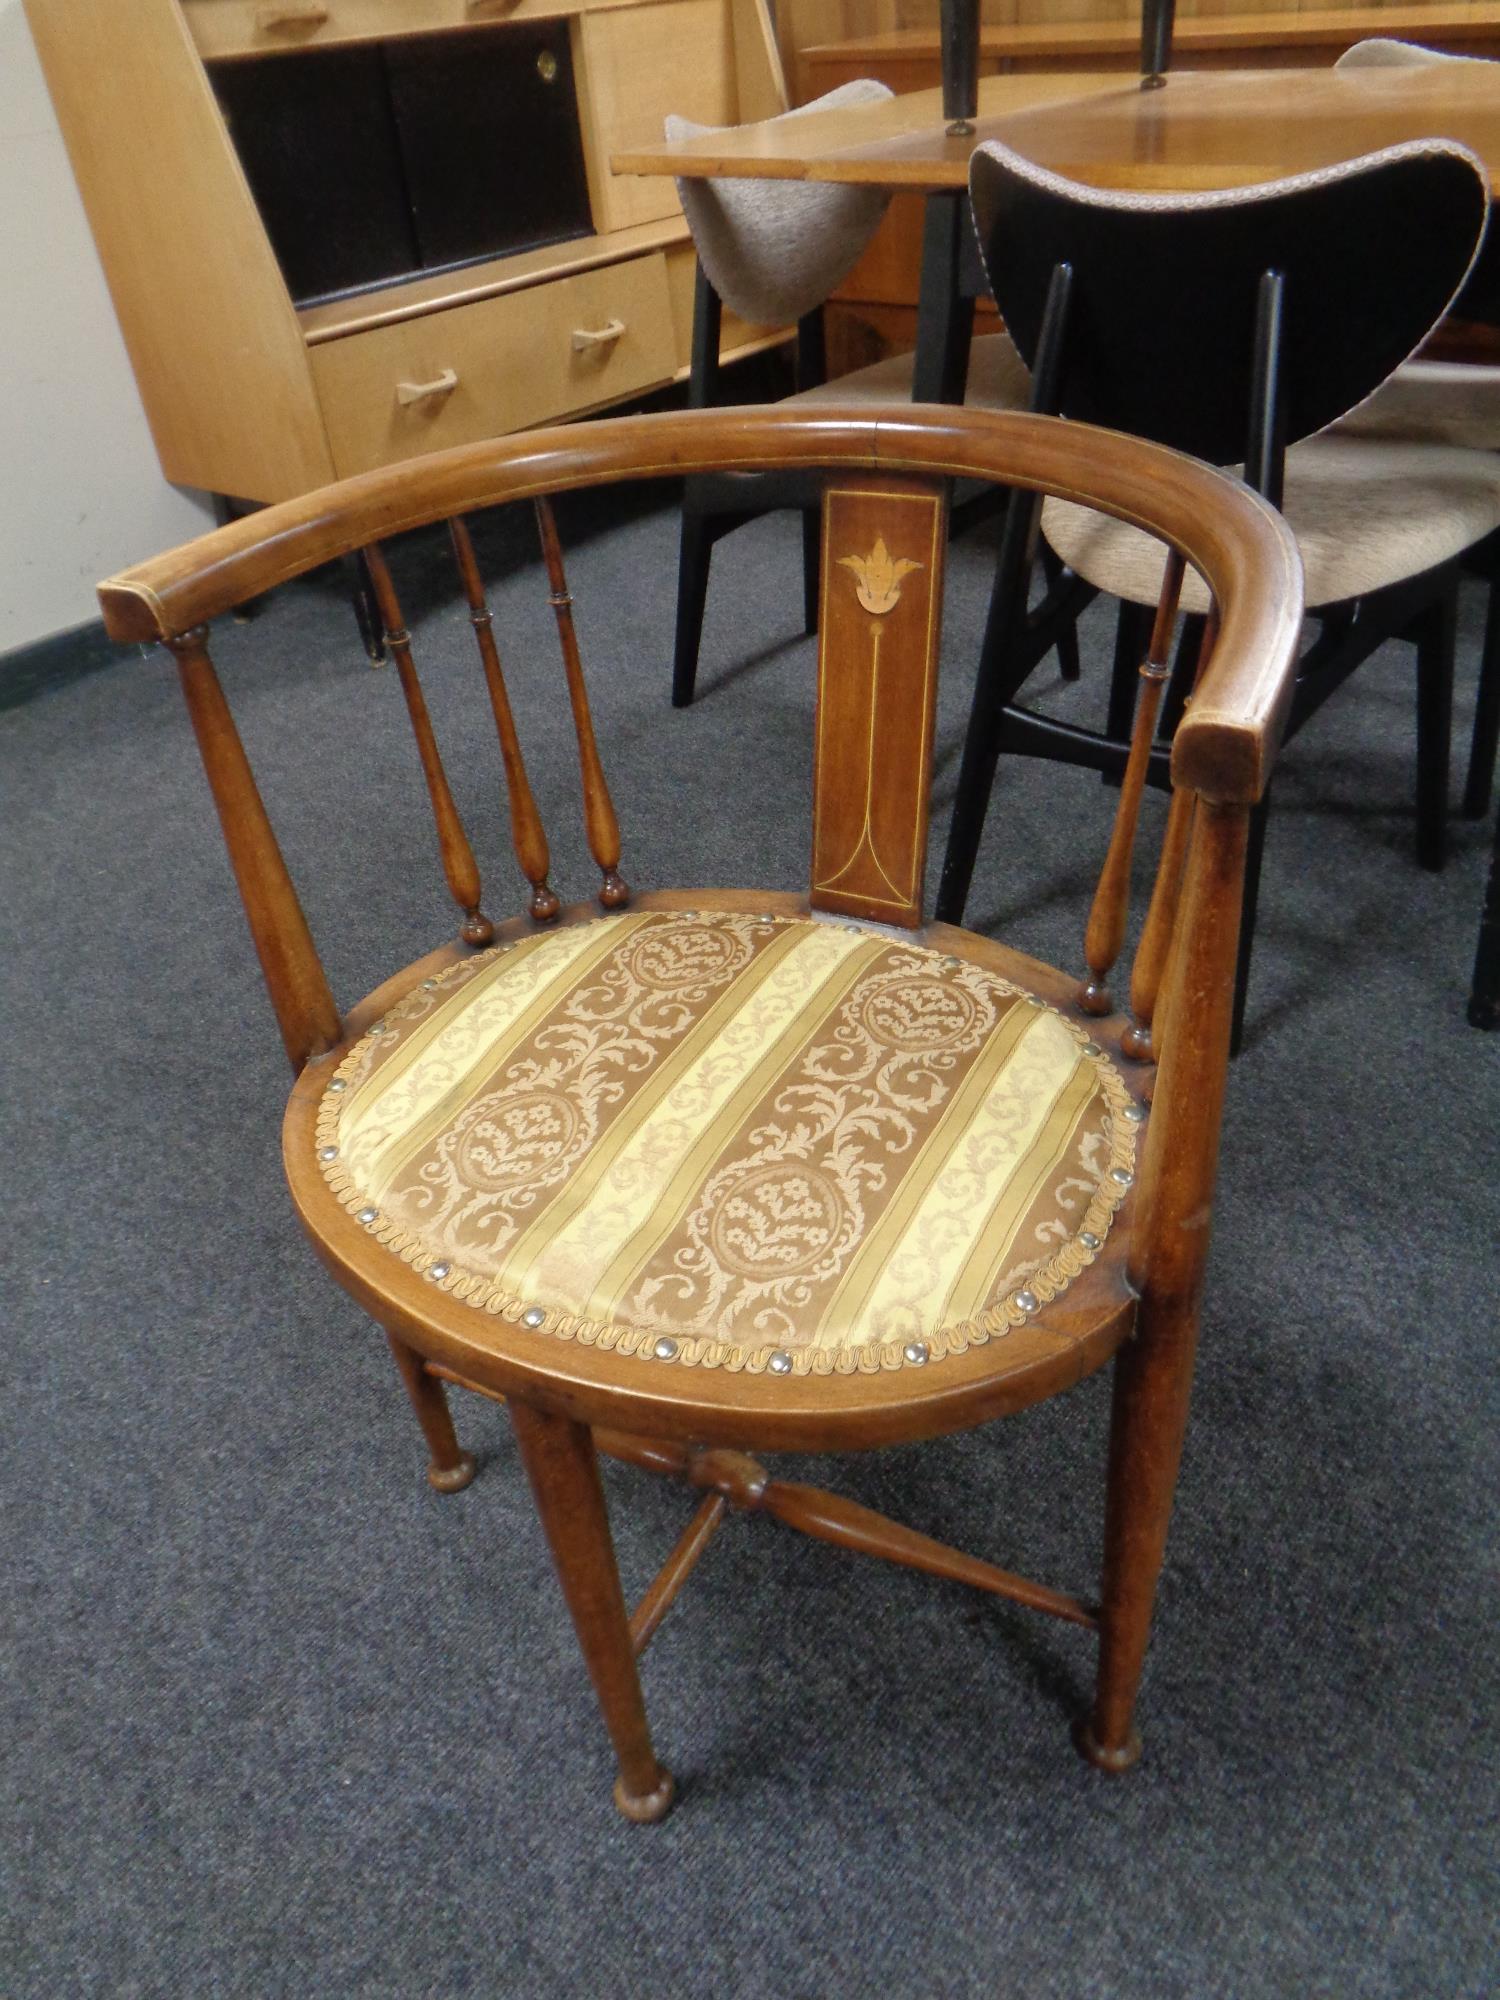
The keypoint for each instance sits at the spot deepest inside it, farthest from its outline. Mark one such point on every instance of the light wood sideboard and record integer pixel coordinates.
(257, 393)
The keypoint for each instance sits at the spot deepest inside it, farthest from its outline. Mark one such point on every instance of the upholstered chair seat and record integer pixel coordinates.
(1432, 402)
(1367, 513)
(734, 1139)
(998, 379)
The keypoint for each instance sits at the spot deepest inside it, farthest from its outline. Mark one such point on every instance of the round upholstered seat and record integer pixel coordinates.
(731, 1140)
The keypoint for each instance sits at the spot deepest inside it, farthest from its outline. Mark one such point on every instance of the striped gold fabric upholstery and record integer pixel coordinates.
(727, 1139)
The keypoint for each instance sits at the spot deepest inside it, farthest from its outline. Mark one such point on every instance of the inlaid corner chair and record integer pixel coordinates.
(709, 1172)
(772, 251)
(1235, 325)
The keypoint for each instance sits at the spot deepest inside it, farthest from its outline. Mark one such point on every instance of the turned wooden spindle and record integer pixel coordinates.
(1105, 934)
(598, 808)
(460, 869)
(1149, 969)
(294, 976)
(527, 833)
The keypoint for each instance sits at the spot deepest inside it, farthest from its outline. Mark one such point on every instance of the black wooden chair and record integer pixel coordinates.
(1229, 325)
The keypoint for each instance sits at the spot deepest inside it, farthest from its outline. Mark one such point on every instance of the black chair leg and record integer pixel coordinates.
(1067, 638)
(1435, 637)
(812, 555)
(981, 755)
(1254, 851)
(1484, 995)
(692, 599)
(366, 610)
(1480, 782)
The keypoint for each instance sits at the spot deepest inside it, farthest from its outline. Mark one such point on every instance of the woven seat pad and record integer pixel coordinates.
(1366, 512)
(723, 1139)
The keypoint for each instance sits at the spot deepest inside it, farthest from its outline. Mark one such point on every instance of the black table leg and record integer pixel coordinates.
(945, 318)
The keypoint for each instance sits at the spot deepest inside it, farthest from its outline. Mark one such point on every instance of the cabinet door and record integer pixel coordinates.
(488, 129)
(314, 135)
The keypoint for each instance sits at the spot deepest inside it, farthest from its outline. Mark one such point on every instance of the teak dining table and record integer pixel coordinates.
(1204, 129)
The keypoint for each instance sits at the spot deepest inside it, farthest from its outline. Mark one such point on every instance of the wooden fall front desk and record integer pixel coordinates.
(1205, 129)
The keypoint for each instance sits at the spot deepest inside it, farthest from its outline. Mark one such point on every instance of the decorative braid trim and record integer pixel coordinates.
(489, 1295)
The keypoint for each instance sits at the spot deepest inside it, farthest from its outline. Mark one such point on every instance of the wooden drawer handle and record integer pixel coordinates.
(290, 14)
(418, 392)
(599, 336)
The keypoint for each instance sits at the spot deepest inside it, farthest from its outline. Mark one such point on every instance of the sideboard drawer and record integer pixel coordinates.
(261, 27)
(524, 357)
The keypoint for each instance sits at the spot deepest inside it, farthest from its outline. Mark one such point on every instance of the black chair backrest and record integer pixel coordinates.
(1170, 321)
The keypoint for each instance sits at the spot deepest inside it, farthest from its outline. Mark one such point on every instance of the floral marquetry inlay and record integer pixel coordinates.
(879, 577)
(877, 681)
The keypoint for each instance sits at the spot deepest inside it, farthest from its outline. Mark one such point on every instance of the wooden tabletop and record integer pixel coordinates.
(1205, 129)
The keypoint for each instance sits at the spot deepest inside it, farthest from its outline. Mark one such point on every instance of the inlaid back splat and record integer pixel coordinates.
(882, 590)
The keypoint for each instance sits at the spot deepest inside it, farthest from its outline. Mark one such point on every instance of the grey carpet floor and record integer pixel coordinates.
(278, 1720)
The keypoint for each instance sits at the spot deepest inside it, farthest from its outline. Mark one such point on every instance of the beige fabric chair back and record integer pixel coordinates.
(775, 249)
(1382, 52)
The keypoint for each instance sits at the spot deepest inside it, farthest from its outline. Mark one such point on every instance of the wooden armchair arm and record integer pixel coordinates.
(1244, 550)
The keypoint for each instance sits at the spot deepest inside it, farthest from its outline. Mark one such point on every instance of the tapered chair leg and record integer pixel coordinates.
(1436, 640)
(692, 600)
(560, 1463)
(812, 556)
(451, 1469)
(1480, 782)
(1254, 851)
(1151, 1393)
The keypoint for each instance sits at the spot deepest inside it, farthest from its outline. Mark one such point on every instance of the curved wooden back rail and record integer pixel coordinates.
(885, 497)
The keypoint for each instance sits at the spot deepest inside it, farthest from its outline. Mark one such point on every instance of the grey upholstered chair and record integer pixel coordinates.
(1448, 402)
(772, 251)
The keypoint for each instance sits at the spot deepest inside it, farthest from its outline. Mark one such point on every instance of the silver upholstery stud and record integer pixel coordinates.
(339, 1083)
(1088, 1239)
(1136, 1113)
(665, 1349)
(780, 1362)
(438, 1270)
(534, 1316)
(915, 1351)
(1025, 1302)
(328, 1152)
(1121, 1176)
(368, 1215)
